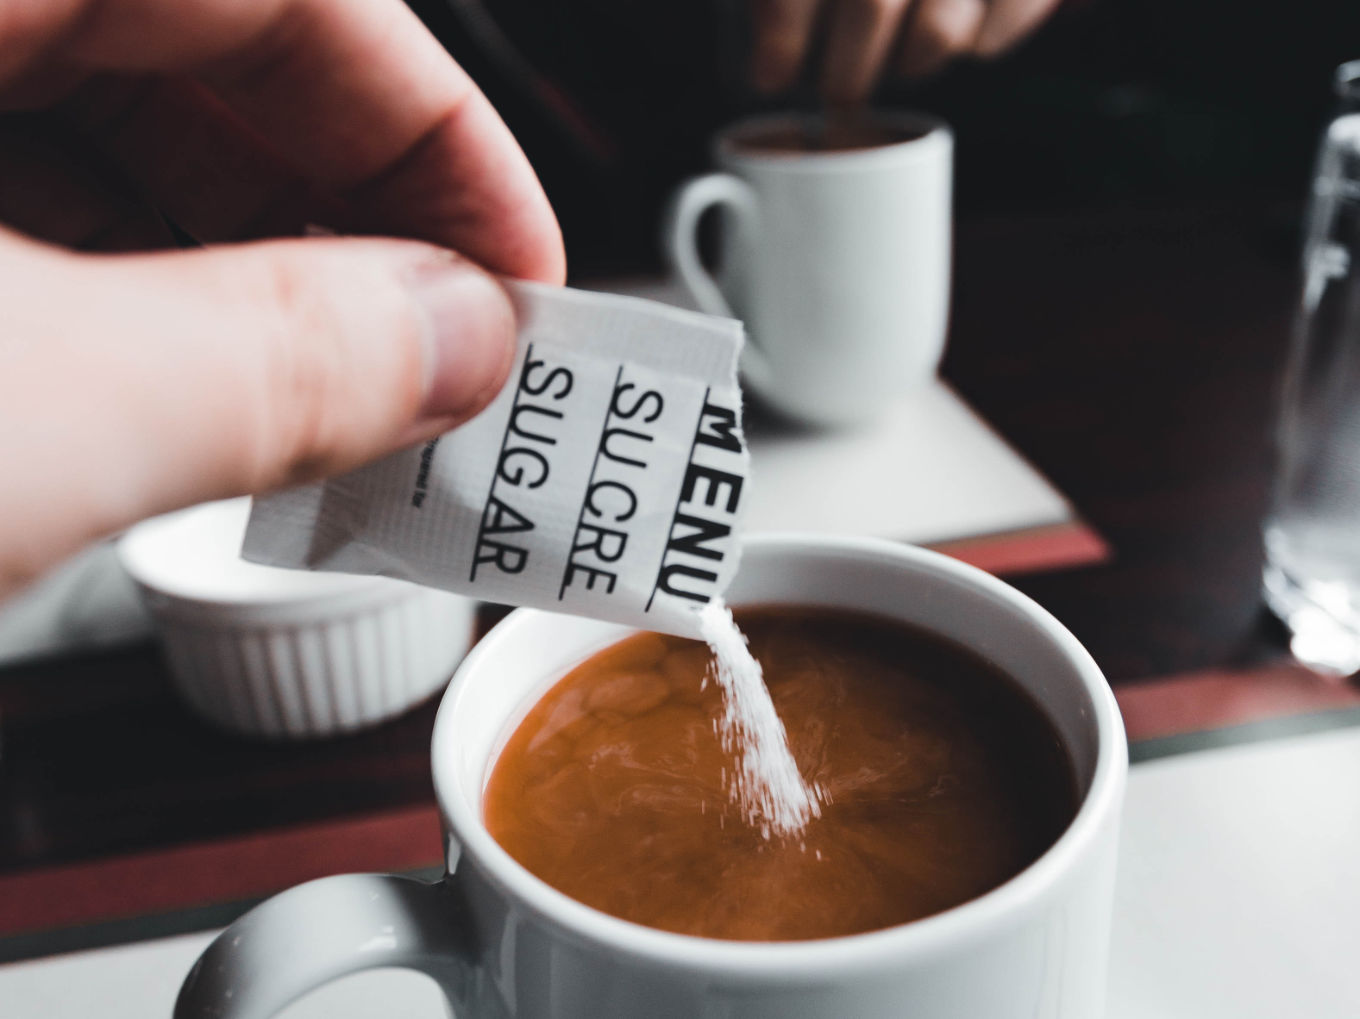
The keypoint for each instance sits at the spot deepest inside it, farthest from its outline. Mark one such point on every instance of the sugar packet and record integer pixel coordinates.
(607, 479)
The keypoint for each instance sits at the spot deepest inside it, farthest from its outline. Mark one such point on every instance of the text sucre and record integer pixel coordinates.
(698, 511)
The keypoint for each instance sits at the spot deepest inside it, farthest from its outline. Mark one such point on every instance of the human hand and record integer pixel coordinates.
(866, 38)
(133, 384)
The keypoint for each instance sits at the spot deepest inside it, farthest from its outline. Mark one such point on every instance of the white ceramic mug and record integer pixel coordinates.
(501, 943)
(838, 262)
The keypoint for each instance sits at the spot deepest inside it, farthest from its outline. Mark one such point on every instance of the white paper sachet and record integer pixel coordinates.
(607, 479)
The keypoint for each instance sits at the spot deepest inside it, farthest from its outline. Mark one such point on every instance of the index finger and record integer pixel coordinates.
(354, 93)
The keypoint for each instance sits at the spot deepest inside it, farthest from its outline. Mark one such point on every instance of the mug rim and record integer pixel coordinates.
(936, 137)
(812, 960)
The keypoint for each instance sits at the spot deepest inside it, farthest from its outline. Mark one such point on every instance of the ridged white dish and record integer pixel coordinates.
(286, 654)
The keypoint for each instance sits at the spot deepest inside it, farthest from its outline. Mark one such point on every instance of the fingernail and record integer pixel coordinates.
(991, 39)
(989, 44)
(767, 75)
(470, 338)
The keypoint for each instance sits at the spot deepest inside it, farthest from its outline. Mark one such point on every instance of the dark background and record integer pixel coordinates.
(1112, 103)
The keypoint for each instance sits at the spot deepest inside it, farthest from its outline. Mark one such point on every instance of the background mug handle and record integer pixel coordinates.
(325, 929)
(680, 238)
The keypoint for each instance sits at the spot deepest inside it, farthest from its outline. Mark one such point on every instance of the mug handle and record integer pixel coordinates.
(322, 930)
(694, 198)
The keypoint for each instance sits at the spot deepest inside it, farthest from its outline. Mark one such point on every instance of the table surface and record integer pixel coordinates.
(1132, 355)
(1202, 929)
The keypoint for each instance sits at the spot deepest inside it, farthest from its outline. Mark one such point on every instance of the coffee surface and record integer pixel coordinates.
(831, 136)
(941, 779)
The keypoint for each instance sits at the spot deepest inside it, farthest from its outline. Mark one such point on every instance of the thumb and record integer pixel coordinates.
(149, 382)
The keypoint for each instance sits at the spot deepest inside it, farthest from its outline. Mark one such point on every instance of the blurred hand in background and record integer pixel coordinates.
(136, 383)
(860, 41)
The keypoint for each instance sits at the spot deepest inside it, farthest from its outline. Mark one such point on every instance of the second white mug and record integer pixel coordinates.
(836, 257)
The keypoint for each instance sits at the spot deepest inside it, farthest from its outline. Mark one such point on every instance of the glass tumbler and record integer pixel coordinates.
(1312, 535)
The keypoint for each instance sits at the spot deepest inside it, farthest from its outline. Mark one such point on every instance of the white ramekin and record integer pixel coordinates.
(286, 654)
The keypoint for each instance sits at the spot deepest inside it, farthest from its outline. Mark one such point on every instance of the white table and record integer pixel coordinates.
(1239, 884)
(1238, 898)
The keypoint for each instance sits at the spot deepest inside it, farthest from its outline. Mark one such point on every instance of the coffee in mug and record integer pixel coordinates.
(831, 135)
(940, 779)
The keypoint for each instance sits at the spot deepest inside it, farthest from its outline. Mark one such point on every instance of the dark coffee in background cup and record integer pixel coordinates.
(942, 781)
(823, 136)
